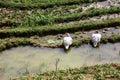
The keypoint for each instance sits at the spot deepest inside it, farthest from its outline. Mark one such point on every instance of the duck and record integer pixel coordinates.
(67, 41)
(96, 38)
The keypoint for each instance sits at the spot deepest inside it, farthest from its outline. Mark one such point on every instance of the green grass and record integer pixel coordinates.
(30, 4)
(41, 19)
(22, 32)
(97, 72)
(36, 42)
(49, 17)
(16, 17)
(58, 28)
(90, 13)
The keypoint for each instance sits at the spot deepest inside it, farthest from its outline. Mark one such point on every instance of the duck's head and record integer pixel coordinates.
(67, 34)
(97, 32)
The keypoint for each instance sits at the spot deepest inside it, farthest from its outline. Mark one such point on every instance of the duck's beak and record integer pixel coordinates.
(95, 44)
(67, 47)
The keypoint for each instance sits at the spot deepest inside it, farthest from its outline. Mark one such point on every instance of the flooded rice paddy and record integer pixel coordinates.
(17, 61)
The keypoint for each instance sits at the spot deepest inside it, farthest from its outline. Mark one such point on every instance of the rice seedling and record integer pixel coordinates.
(58, 28)
(29, 4)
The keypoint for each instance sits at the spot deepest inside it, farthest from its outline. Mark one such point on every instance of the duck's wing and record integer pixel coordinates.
(67, 40)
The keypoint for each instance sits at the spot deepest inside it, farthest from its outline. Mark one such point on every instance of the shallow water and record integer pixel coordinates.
(13, 62)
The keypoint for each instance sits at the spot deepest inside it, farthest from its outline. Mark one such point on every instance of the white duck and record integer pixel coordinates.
(67, 41)
(96, 37)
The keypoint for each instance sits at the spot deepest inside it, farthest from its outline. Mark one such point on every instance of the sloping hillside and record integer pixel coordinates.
(43, 23)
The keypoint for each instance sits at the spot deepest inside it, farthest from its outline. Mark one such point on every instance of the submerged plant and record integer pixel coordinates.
(56, 63)
(26, 69)
(42, 66)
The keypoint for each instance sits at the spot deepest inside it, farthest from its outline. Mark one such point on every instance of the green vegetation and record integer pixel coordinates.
(41, 19)
(97, 72)
(32, 4)
(48, 17)
(36, 42)
(58, 28)
(27, 20)
(89, 13)
(15, 17)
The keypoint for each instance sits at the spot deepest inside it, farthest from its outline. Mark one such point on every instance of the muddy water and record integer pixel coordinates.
(13, 62)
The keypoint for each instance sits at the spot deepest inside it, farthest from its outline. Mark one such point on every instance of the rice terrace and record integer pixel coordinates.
(59, 39)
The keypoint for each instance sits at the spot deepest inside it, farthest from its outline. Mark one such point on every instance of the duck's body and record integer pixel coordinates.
(67, 41)
(96, 38)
